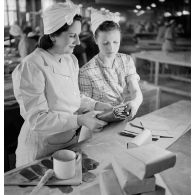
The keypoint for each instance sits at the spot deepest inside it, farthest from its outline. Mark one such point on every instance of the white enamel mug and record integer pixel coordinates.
(64, 164)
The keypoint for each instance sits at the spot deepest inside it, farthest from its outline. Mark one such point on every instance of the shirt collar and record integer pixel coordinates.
(102, 64)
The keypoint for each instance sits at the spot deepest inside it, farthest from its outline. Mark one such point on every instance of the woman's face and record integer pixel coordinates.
(67, 40)
(108, 42)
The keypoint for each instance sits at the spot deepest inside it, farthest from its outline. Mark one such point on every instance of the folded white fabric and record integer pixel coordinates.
(109, 184)
(58, 14)
(131, 184)
(142, 139)
(98, 17)
(93, 189)
(147, 160)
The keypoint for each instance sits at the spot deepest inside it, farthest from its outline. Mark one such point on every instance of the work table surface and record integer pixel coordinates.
(102, 144)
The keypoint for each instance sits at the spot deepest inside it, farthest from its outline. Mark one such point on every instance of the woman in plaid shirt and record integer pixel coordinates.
(110, 76)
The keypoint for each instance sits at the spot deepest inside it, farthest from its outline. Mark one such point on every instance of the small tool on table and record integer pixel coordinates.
(48, 174)
(143, 128)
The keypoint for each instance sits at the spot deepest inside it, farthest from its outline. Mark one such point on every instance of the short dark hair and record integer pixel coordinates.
(27, 29)
(45, 42)
(106, 27)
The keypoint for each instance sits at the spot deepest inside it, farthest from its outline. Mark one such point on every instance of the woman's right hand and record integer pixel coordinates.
(90, 121)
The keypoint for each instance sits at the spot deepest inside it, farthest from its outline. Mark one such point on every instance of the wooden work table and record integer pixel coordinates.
(156, 58)
(102, 144)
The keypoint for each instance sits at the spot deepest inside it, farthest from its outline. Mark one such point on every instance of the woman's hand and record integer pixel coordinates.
(100, 106)
(132, 107)
(90, 121)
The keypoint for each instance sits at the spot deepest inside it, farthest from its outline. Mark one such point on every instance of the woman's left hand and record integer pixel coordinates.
(100, 106)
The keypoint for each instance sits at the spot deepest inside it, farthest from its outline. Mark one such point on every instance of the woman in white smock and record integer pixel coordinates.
(46, 88)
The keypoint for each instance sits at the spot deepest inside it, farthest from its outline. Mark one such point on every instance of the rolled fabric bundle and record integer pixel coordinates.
(115, 114)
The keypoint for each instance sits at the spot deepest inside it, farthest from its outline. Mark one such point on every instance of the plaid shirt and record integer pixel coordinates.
(107, 83)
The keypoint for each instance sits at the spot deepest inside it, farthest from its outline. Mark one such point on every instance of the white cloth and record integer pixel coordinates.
(55, 16)
(98, 17)
(15, 30)
(48, 94)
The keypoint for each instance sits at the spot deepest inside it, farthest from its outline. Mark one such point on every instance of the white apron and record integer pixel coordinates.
(46, 88)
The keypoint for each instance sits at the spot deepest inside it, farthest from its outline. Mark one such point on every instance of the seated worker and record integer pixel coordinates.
(110, 76)
(26, 45)
(46, 88)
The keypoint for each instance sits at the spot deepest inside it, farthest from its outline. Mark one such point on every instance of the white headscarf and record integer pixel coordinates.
(98, 17)
(15, 30)
(58, 14)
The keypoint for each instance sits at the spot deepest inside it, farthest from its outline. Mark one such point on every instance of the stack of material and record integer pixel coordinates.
(132, 171)
(135, 169)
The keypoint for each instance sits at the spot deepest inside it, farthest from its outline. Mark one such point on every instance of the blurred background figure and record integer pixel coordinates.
(161, 31)
(87, 38)
(16, 32)
(140, 28)
(25, 44)
(149, 27)
(170, 37)
(179, 30)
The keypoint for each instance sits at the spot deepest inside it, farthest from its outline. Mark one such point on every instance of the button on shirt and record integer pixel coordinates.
(107, 83)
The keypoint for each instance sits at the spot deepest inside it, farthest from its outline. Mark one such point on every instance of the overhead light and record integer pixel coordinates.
(167, 14)
(102, 9)
(148, 8)
(179, 13)
(162, 0)
(185, 12)
(135, 10)
(138, 6)
(153, 5)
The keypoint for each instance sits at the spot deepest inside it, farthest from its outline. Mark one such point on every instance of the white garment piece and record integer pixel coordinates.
(58, 14)
(98, 17)
(46, 88)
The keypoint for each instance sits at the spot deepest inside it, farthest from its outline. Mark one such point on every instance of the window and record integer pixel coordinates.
(10, 11)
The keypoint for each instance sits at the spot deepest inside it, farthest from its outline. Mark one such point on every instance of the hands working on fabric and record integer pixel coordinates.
(100, 106)
(90, 121)
(132, 107)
